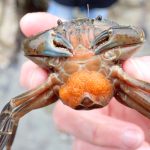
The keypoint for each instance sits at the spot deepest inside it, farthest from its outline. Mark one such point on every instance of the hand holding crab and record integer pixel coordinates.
(88, 98)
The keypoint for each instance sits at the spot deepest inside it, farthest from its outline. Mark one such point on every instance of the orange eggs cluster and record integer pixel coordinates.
(85, 82)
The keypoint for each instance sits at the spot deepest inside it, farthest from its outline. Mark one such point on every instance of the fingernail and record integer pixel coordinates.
(132, 138)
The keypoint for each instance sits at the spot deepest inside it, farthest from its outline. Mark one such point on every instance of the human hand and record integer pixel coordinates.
(114, 127)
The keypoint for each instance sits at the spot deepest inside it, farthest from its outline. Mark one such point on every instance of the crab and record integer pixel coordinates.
(84, 59)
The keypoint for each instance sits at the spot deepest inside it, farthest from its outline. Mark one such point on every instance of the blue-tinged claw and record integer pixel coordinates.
(47, 44)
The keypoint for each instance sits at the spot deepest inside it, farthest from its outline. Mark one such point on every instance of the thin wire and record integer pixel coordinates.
(88, 10)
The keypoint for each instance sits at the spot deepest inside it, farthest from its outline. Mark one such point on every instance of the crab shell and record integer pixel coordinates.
(82, 53)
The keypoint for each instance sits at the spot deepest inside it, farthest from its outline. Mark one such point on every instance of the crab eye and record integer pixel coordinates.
(99, 18)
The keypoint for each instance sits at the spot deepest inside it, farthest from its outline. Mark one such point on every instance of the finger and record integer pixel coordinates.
(82, 145)
(145, 146)
(32, 75)
(138, 67)
(103, 131)
(33, 23)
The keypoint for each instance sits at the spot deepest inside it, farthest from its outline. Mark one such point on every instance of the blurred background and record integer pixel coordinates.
(37, 130)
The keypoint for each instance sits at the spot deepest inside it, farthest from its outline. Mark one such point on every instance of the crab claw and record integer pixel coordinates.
(118, 37)
(46, 44)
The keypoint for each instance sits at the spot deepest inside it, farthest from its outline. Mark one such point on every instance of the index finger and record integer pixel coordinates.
(33, 23)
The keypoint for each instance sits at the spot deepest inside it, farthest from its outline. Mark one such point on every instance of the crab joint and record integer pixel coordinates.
(5, 133)
(81, 82)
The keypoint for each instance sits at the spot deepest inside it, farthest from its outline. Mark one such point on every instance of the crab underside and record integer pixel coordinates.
(84, 59)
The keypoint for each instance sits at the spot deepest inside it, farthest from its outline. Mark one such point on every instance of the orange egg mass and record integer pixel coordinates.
(82, 82)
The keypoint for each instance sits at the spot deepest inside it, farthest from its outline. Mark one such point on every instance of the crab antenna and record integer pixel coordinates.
(88, 10)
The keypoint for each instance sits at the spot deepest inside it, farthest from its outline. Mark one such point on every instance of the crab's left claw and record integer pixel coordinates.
(118, 37)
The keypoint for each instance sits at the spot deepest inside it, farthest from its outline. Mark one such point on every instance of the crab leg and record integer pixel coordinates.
(12, 136)
(21, 105)
(132, 92)
(118, 72)
(42, 100)
(127, 100)
(139, 96)
(52, 80)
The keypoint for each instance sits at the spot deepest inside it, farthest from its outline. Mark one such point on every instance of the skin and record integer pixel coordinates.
(114, 127)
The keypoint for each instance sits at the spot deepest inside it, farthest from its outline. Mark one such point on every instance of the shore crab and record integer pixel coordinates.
(84, 59)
